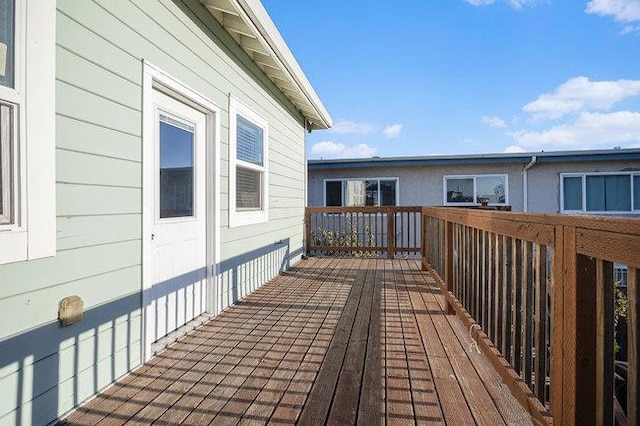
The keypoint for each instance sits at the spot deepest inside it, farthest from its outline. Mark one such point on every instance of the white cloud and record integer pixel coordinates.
(620, 10)
(628, 29)
(516, 4)
(347, 126)
(392, 131)
(579, 94)
(519, 4)
(589, 130)
(514, 149)
(480, 2)
(494, 122)
(328, 149)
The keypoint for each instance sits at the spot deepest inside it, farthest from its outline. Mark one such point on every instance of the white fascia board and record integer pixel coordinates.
(257, 18)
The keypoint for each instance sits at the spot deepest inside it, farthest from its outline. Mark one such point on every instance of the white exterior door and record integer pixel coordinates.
(175, 211)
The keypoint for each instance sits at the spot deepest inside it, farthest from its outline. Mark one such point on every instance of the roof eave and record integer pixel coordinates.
(257, 26)
(439, 160)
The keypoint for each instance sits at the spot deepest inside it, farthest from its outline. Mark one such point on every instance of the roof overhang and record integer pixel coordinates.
(632, 154)
(249, 24)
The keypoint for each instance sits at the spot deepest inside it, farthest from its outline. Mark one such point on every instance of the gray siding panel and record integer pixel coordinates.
(419, 186)
(100, 50)
(424, 185)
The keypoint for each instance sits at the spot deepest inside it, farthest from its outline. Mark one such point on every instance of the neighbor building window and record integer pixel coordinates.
(249, 166)
(361, 192)
(600, 192)
(27, 130)
(476, 189)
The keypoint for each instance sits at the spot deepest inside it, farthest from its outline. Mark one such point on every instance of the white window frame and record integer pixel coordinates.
(475, 186)
(7, 148)
(247, 217)
(583, 176)
(345, 180)
(32, 231)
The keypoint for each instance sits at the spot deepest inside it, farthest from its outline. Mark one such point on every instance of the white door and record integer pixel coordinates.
(175, 200)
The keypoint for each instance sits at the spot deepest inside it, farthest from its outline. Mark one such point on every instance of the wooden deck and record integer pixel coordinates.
(337, 341)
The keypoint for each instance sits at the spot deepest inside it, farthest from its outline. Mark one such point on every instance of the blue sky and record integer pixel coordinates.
(419, 77)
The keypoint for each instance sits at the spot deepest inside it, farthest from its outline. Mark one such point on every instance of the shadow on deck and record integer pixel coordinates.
(338, 341)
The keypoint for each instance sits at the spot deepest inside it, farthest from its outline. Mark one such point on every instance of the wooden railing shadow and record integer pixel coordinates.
(541, 289)
(536, 289)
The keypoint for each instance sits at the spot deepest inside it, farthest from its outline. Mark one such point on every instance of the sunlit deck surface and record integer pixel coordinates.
(337, 341)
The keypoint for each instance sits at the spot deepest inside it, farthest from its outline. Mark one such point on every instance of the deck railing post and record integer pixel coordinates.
(391, 233)
(307, 228)
(448, 262)
(579, 405)
(557, 352)
(633, 337)
(424, 240)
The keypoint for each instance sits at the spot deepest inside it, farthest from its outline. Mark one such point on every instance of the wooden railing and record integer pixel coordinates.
(368, 231)
(541, 290)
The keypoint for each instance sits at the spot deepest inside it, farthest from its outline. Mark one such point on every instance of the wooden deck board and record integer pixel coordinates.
(332, 341)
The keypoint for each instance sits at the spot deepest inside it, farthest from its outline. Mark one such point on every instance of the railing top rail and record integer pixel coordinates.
(626, 225)
(366, 209)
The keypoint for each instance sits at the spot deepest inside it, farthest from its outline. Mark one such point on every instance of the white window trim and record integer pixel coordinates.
(32, 234)
(583, 176)
(247, 217)
(474, 177)
(343, 180)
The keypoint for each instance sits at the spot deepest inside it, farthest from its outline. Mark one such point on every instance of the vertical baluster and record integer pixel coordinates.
(516, 333)
(527, 306)
(633, 346)
(458, 249)
(487, 282)
(490, 303)
(540, 274)
(498, 296)
(484, 318)
(479, 276)
(604, 288)
(416, 233)
(455, 283)
(507, 304)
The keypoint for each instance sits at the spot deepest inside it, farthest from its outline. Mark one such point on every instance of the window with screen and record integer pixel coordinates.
(249, 166)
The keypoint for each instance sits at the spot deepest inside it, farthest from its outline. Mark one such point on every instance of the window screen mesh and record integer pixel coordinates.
(388, 192)
(334, 194)
(6, 140)
(248, 189)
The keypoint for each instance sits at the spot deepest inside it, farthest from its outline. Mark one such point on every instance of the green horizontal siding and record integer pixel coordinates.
(100, 49)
